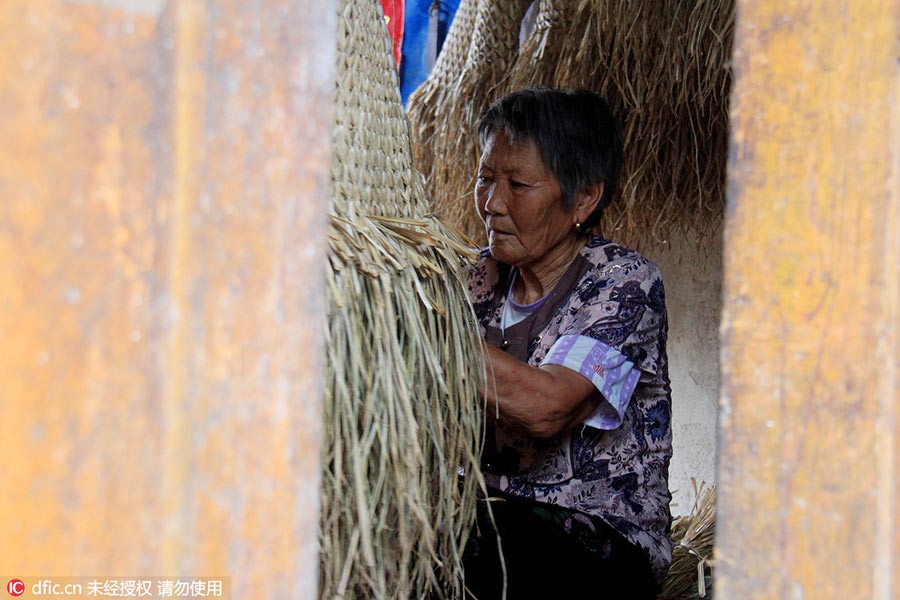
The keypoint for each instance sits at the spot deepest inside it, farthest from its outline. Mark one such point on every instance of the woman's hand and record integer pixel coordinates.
(536, 402)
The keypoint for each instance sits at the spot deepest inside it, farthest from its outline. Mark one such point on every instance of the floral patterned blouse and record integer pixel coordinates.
(615, 466)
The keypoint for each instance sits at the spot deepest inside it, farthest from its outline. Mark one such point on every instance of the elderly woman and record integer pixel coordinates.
(575, 329)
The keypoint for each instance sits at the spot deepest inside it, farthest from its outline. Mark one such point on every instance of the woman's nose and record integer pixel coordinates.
(495, 202)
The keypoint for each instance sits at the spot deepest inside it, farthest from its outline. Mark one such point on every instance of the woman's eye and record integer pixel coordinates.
(518, 184)
(483, 179)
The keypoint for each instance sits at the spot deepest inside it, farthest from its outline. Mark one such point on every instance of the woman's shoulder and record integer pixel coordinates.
(482, 276)
(482, 281)
(483, 264)
(609, 259)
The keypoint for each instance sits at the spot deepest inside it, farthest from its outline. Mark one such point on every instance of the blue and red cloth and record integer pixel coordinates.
(418, 29)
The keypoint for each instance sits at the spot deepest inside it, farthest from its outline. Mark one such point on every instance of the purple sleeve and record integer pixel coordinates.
(614, 376)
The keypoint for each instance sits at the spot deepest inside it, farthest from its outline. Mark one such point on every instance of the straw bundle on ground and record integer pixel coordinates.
(664, 68)
(443, 111)
(693, 537)
(401, 413)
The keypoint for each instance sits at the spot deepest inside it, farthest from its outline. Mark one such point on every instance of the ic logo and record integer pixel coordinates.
(15, 587)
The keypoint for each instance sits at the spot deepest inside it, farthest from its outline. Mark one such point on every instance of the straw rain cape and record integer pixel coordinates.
(402, 413)
(663, 66)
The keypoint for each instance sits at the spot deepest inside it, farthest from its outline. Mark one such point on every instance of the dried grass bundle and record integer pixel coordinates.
(693, 537)
(443, 111)
(401, 409)
(665, 69)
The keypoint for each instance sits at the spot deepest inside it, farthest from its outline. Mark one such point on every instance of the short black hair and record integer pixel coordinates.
(575, 132)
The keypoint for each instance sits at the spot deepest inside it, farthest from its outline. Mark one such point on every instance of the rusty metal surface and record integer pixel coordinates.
(164, 190)
(810, 333)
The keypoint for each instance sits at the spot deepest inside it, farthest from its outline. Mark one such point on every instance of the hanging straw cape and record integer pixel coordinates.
(402, 413)
(664, 68)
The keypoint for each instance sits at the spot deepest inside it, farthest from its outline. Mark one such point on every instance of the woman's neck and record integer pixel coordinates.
(538, 279)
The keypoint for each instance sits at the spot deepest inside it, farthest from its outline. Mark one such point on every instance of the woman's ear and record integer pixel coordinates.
(587, 201)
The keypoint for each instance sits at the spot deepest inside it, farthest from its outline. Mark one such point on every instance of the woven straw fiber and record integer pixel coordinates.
(443, 114)
(551, 22)
(371, 136)
(401, 411)
(664, 68)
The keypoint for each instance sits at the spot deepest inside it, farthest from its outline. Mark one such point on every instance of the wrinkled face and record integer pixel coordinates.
(520, 202)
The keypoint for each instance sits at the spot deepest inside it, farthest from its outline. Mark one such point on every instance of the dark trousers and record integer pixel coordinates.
(552, 552)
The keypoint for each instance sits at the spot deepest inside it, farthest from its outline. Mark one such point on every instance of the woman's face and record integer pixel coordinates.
(520, 202)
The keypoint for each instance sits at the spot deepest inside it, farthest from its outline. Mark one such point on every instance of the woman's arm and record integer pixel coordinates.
(536, 402)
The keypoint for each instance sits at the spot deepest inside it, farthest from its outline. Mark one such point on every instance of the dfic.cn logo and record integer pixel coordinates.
(15, 587)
